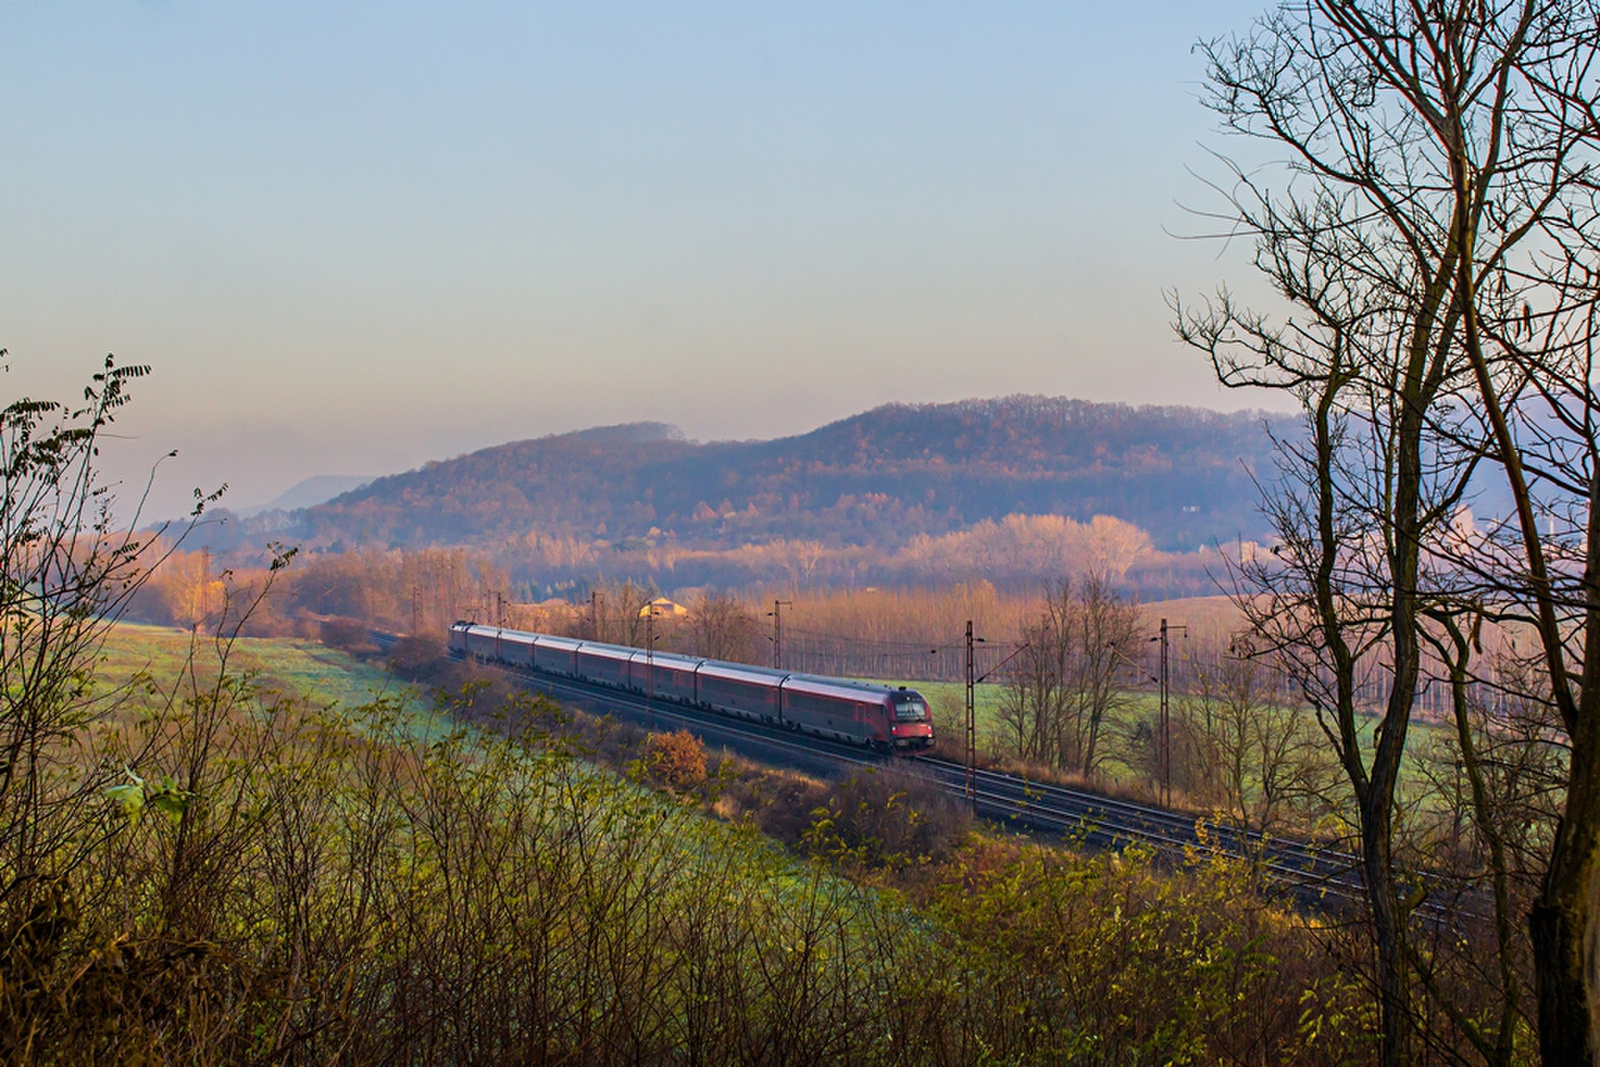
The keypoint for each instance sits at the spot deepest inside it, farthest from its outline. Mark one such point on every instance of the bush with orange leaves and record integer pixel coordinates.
(677, 760)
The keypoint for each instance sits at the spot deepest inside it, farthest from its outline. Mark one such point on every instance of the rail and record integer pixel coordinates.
(1312, 874)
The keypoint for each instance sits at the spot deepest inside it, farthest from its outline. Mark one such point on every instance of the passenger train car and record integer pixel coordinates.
(877, 716)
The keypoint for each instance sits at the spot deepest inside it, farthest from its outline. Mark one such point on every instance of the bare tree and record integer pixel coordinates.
(1435, 154)
(1529, 334)
(1103, 623)
(721, 627)
(616, 613)
(1482, 774)
(69, 565)
(1247, 748)
(1031, 701)
(1068, 683)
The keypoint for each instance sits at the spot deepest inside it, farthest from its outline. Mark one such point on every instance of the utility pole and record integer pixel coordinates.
(777, 631)
(416, 609)
(972, 724)
(649, 661)
(597, 601)
(1164, 738)
(973, 678)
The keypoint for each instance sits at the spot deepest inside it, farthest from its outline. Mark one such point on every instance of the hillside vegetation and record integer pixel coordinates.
(260, 881)
(882, 478)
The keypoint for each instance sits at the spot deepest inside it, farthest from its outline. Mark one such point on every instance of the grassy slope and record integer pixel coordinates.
(290, 667)
(301, 669)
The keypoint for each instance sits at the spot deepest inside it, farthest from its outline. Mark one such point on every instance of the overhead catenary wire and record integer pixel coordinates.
(817, 652)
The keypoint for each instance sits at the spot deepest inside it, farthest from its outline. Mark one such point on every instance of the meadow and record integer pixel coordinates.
(316, 880)
(280, 668)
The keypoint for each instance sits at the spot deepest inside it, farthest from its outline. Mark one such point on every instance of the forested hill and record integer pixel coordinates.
(878, 478)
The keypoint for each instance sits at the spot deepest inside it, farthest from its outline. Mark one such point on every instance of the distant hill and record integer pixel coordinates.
(309, 492)
(879, 478)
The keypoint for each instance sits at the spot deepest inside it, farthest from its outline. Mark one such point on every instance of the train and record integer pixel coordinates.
(886, 719)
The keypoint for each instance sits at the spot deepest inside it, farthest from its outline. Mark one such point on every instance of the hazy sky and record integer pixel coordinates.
(354, 237)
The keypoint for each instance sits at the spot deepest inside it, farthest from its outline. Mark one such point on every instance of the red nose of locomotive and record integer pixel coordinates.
(912, 735)
(910, 727)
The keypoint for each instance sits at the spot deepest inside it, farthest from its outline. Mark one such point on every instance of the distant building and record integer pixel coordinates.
(661, 607)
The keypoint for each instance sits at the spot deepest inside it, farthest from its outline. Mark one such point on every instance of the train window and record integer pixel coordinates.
(909, 707)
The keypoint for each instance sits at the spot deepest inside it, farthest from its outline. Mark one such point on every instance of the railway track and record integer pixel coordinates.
(1311, 874)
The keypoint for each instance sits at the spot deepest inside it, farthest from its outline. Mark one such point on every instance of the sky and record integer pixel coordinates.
(353, 237)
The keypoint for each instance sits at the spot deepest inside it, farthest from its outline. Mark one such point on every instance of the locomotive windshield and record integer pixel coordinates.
(909, 707)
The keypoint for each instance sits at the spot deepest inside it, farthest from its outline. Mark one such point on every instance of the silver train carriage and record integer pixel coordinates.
(881, 717)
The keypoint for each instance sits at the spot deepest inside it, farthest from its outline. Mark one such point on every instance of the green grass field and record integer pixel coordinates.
(287, 667)
(947, 704)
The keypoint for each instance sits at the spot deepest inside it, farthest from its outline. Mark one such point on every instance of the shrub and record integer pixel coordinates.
(1115, 958)
(347, 635)
(888, 817)
(677, 760)
(415, 654)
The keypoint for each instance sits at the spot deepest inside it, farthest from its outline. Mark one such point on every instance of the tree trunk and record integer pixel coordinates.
(1563, 922)
(1394, 977)
(1562, 948)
